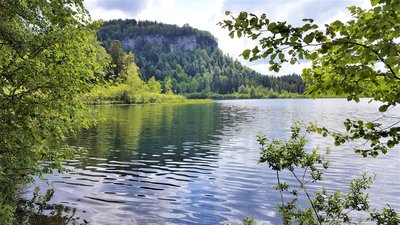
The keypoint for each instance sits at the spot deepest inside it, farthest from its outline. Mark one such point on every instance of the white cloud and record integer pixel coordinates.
(107, 14)
(199, 14)
(98, 12)
(115, 9)
(159, 10)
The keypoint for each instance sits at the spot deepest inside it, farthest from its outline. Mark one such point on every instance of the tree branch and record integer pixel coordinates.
(280, 189)
(376, 53)
(308, 196)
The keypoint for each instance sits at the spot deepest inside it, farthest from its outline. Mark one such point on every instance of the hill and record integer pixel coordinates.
(188, 59)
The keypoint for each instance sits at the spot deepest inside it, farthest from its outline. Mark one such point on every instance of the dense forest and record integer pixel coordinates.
(189, 60)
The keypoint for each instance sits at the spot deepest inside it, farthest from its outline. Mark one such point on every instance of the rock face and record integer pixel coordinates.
(181, 43)
(186, 43)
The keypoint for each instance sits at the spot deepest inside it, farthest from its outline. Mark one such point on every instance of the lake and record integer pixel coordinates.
(197, 164)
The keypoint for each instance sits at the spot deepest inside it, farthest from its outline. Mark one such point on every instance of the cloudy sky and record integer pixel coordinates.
(205, 14)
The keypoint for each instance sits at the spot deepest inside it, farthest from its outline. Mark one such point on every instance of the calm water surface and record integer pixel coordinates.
(197, 164)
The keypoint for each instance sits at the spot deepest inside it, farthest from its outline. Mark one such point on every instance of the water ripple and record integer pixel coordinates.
(197, 164)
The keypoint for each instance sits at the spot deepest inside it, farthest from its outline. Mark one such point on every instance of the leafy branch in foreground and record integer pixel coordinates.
(357, 58)
(49, 57)
(305, 167)
(377, 137)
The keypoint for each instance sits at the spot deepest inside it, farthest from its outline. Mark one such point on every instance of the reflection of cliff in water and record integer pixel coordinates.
(144, 135)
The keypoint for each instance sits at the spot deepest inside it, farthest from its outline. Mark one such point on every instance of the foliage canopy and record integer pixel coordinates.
(358, 58)
(49, 57)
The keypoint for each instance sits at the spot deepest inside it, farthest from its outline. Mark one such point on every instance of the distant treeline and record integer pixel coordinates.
(189, 59)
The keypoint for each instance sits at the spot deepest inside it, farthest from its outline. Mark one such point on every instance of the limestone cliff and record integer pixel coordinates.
(181, 43)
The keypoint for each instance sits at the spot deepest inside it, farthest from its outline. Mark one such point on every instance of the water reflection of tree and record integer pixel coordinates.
(150, 133)
(39, 211)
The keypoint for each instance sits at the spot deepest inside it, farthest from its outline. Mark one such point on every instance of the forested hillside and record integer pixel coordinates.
(189, 59)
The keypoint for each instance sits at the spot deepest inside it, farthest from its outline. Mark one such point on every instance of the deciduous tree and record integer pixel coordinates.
(357, 58)
(47, 60)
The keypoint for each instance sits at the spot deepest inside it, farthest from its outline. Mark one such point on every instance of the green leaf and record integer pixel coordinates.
(368, 15)
(310, 20)
(383, 108)
(243, 15)
(352, 8)
(254, 21)
(255, 50)
(281, 56)
(369, 125)
(273, 56)
(314, 55)
(390, 144)
(374, 2)
(227, 13)
(293, 39)
(271, 26)
(337, 23)
(306, 27)
(228, 22)
(246, 53)
(309, 38)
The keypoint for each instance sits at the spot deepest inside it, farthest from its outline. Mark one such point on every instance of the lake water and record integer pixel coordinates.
(197, 164)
